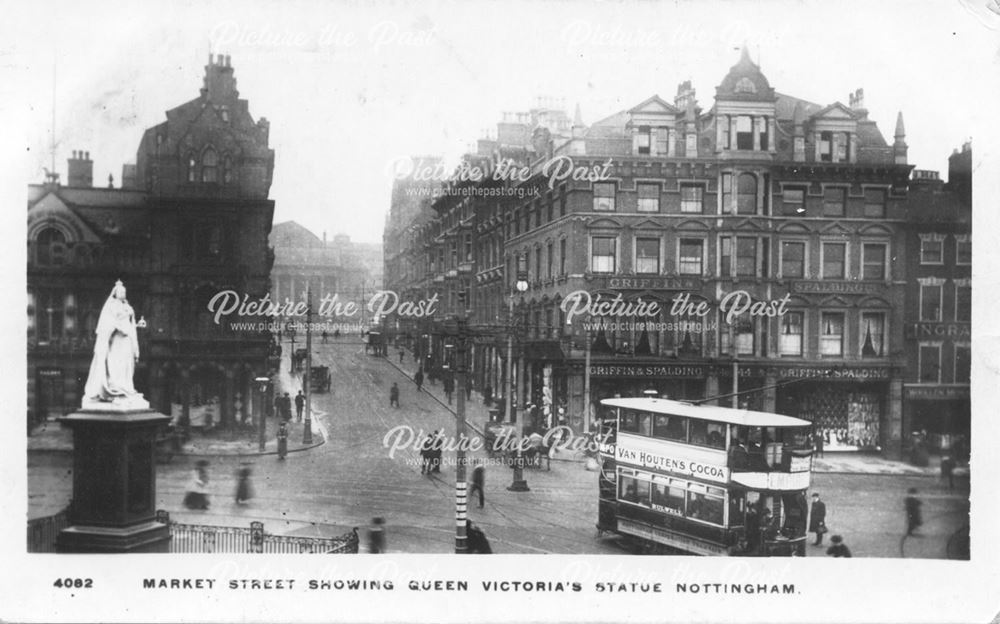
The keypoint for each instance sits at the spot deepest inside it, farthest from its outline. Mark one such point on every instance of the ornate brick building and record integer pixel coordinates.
(192, 219)
(782, 201)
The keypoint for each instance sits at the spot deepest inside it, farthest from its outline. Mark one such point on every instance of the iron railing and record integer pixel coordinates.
(42, 532)
(198, 538)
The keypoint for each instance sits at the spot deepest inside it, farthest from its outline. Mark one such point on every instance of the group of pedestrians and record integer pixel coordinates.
(196, 494)
(817, 522)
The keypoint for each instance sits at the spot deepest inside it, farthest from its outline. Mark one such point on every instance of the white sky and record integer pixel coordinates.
(399, 78)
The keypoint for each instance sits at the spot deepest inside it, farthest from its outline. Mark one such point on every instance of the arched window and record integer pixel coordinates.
(209, 166)
(191, 165)
(227, 170)
(746, 194)
(50, 245)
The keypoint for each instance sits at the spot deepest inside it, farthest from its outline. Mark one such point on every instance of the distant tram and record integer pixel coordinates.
(696, 479)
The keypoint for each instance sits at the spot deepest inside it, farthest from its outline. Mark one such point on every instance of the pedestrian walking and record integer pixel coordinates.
(839, 548)
(244, 491)
(819, 442)
(196, 496)
(324, 335)
(436, 451)
(282, 440)
(487, 395)
(913, 516)
(752, 523)
(817, 519)
(449, 388)
(425, 455)
(478, 481)
(418, 378)
(394, 395)
(475, 540)
(401, 354)
(300, 403)
(948, 471)
(286, 407)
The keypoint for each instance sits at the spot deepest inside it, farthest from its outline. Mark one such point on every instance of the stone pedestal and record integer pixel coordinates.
(114, 481)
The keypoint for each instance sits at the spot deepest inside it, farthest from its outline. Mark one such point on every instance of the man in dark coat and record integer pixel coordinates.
(817, 519)
(753, 529)
(478, 481)
(913, 516)
(475, 540)
(418, 379)
(300, 403)
(425, 454)
(394, 395)
(282, 440)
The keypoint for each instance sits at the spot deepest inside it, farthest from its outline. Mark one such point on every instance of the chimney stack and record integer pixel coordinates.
(857, 103)
(80, 170)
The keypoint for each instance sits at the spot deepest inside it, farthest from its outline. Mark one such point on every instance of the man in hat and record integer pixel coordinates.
(300, 403)
(839, 548)
(282, 440)
(817, 519)
(394, 395)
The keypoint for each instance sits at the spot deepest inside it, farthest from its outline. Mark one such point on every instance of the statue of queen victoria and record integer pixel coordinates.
(116, 350)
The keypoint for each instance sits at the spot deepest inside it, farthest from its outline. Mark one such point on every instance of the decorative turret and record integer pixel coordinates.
(899, 145)
(745, 82)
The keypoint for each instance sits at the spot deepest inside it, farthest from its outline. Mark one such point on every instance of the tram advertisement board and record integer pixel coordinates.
(673, 458)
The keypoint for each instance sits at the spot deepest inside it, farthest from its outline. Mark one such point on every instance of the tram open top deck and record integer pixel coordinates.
(732, 416)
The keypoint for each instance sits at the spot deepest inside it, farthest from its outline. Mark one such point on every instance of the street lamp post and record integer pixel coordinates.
(307, 436)
(461, 486)
(262, 383)
(519, 484)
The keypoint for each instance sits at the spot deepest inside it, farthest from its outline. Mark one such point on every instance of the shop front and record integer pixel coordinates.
(939, 414)
(849, 407)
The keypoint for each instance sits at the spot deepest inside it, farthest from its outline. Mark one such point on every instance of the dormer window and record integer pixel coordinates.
(209, 166)
(745, 85)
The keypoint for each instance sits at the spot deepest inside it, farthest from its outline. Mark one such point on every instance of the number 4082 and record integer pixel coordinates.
(71, 583)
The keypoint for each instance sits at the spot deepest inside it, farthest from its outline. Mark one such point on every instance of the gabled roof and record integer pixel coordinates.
(836, 111)
(654, 104)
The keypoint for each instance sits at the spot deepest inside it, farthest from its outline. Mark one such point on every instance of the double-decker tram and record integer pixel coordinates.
(697, 479)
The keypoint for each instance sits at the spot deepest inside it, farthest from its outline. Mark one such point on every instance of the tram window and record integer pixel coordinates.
(645, 419)
(630, 421)
(705, 508)
(670, 427)
(636, 422)
(633, 490)
(704, 433)
(670, 498)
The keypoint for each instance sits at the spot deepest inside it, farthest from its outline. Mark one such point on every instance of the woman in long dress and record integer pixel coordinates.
(115, 351)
